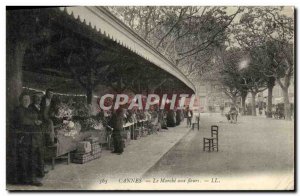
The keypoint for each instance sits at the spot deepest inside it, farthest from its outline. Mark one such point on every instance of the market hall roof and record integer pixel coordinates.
(66, 52)
(110, 26)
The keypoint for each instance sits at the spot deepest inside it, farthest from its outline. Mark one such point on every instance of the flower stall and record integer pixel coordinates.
(80, 62)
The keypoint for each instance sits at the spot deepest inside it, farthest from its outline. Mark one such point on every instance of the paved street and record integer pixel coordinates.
(257, 150)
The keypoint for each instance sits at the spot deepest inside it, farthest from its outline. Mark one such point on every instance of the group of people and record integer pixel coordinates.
(115, 120)
(232, 114)
(33, 132)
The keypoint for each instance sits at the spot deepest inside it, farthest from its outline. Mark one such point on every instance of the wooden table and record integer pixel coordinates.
(67, 144)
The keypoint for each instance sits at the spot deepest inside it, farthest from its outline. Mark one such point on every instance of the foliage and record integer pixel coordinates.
(188, 36)
(270, 35)
(229, 74)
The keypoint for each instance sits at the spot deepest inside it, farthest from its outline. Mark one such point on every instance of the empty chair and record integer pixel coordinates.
(214, 127)
(207, 144)
(212, 143)
(215, 137)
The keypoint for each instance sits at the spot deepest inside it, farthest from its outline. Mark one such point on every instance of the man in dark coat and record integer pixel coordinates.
(117, 125)
(46, 105)
(161, 119)
(178, 117)
(35, 106)
(189, 116)
(171, 118)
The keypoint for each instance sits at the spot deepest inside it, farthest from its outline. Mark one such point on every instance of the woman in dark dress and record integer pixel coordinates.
(178, 117)
(29, 139)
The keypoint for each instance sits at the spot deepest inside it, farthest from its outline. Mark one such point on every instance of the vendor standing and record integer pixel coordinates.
(189, 115)
(35, 108)
(178, 116)
(162, 120)
(117, 125)
(29, 143)
(46, 105)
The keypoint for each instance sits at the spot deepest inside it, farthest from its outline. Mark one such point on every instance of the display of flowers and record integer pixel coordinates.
(75, 108)
(141, 115)
(92, 123)
(80, 109)
(69, 128)
(63, 111)
(72, 133)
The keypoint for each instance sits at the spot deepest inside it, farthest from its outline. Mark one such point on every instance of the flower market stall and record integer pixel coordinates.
(82, 56)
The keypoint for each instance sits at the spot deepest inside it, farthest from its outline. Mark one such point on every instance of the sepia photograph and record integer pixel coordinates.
(150, 98)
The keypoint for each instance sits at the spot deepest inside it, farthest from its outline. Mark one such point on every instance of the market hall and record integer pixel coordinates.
(59, 62)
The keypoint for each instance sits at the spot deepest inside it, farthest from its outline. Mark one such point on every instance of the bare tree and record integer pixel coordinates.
(186, 35)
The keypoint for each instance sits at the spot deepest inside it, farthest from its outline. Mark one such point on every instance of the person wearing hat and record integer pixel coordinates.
(117, 125)
(46, 104)
(35, 106)
(35, 109)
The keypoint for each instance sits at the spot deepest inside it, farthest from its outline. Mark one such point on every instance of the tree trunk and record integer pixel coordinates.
(253, 103)
(14, 56)
(15, 51)
(233, 98)
(244, 104)
(271, 84)
(269, 106)
(287, 106)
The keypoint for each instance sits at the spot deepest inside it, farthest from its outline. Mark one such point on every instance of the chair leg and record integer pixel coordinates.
(215, 145)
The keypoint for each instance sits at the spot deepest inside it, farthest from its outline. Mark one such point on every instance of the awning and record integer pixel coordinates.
(108, 25)
(281, 100)
(278, 100)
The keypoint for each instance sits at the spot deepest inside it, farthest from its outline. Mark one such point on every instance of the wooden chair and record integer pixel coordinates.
(215, 137)
(212, 143)
(207, 144)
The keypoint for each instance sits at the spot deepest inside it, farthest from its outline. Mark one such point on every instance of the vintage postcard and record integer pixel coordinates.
(150, 98)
